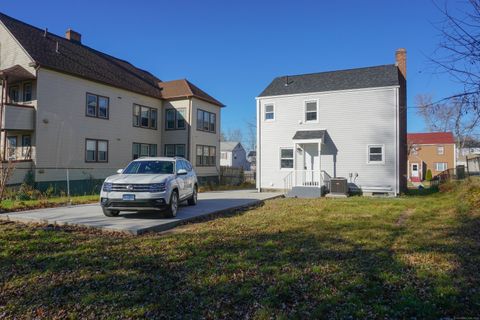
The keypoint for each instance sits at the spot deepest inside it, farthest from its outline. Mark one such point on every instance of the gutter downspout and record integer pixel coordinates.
(189, 127)
(1, 112)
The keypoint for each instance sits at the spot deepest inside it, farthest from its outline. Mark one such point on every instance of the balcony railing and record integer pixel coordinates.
(18, 117)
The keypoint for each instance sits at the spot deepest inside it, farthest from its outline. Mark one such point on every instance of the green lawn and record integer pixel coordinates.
(17, 205)
(292, 258)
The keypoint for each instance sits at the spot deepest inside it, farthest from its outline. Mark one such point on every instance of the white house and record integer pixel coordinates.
(347, 123)
(232, 154)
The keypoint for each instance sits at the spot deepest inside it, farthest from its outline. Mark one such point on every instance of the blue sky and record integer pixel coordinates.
(233, 49)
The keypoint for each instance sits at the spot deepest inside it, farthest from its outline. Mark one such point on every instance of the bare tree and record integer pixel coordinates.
(6, 171)
(251, 140)
(234, 135)
(451, 115)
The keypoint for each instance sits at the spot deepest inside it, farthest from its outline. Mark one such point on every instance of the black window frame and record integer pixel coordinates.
(97, 106)
(205, 125)
(96, 150)
(150, 147)
(138, 123)
(175, 154)
(206, 159)
(25, 85)
(176, 118)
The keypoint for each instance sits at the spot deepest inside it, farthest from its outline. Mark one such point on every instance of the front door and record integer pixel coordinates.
(415, 171)
(312, 164)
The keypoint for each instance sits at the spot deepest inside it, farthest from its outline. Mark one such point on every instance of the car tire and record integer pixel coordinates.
(192, 201)
(110, 213)
(172, 207)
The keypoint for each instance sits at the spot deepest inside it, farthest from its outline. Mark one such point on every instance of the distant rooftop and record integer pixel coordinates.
(431, 138)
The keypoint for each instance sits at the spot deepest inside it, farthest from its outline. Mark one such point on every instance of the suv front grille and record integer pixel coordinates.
(131, 187)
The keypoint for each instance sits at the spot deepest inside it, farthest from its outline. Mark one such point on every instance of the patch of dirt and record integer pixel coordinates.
(403, 217)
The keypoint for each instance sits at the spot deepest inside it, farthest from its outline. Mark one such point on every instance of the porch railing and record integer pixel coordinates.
(306, 178)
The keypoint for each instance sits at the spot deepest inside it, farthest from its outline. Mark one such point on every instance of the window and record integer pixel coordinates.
(13, 94)
(145, 117)
(269, 112)
(175, 150)
(440, 166)
(440, 150)
(12, 147)
(206, 121)
(375, 154)
(97, 106)
(26, 146)
(223, 155)
(311, 111)
(286, 158)
(206, 156)
(175, 119)
(143, 150)
(27, 92)
(96, 150)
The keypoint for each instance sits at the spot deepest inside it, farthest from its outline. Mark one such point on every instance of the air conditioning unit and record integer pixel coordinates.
(338, 186)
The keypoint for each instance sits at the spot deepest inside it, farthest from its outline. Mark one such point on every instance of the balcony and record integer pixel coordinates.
(18, 117)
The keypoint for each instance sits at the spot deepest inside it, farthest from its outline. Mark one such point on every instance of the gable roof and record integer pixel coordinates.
(185, 89)
(252, 154)
(369, 77)
(80, 60)
(431, 138)
(228, 145)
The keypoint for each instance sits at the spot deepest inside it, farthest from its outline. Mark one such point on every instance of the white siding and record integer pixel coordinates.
(62, 127)
(11, 53)
(205, 138)
(353, 120)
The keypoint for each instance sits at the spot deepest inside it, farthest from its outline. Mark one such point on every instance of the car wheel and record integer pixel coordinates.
(110, 213)
(173, 205)
(193, 199)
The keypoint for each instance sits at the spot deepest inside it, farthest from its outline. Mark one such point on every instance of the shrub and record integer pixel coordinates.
(27, 192)
(428, 176)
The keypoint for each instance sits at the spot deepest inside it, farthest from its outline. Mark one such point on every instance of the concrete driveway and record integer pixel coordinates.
(137, 223)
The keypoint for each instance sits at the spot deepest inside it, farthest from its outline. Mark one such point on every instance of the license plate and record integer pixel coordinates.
(128, 197)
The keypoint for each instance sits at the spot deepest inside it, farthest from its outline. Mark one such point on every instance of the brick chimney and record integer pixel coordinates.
(73, 36)
(401, 61)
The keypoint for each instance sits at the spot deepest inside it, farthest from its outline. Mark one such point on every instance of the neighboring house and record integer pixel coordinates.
(431, 150)
(348, 123)
(232, 154)
(252, 159)
(65, 105)
(471, 149)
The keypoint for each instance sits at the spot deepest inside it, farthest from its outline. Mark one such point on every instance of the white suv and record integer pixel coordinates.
(150, 184)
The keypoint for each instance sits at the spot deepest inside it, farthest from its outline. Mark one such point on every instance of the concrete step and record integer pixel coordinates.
(305, 192)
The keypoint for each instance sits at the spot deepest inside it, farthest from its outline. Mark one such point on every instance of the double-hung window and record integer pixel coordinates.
(269, 112)
(96, 150)
(206, 156)
(440, 166)
(143, 150)
(175, 119)
(206, 121)
(175, 150)
(440, 150)
(145, 117)
(97, 106)
(286, 158)
(13, 94)
(27, 92)
(311, 111)
(376, 154)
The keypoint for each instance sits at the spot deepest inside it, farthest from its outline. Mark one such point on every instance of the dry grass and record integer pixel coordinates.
(291, 258)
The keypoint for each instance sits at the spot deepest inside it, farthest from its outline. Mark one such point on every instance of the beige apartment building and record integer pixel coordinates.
(66, 105)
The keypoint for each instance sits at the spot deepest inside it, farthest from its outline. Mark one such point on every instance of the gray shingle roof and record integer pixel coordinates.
(369, 77)
(309, 134)
(228, 145)
(80, 60)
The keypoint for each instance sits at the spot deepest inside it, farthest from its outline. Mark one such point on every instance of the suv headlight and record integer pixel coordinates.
(158, 187)
(107, 186)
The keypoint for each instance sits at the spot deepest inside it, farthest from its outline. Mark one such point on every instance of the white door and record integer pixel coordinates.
(415, 170)
(312, 164)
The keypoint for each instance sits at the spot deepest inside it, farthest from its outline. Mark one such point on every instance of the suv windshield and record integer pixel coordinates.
(149, 167)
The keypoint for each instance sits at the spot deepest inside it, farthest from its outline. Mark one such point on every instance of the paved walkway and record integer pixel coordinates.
(209, 203)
